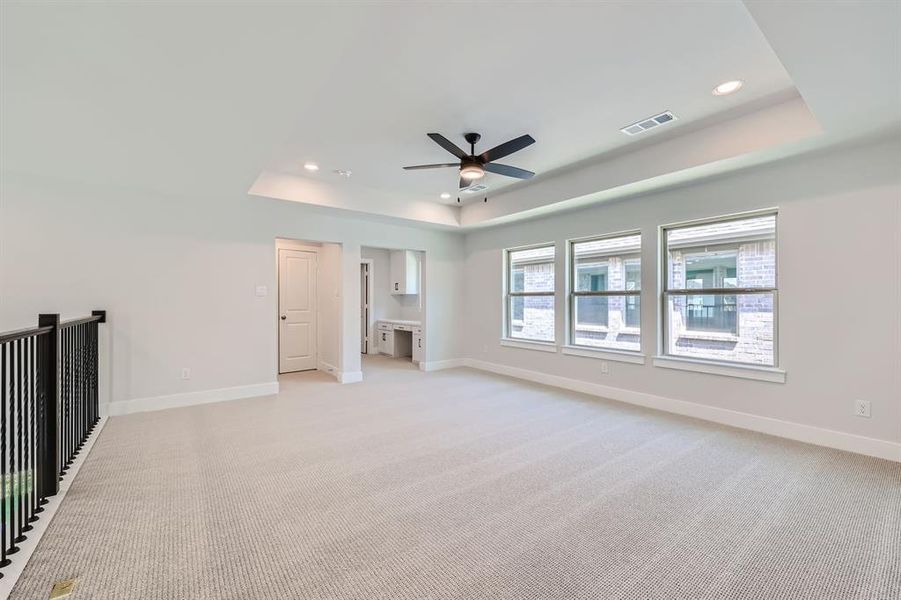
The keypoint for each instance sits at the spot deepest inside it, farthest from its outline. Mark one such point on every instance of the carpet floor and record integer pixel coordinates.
(460, 484)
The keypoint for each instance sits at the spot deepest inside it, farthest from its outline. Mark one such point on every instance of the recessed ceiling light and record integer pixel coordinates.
(310, 166)
(445, 196)
(728, 87)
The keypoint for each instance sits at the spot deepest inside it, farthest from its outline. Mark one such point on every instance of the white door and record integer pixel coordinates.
(296, 310)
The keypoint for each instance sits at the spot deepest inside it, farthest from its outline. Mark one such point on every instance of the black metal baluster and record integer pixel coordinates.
(10, 515)
(18, 489)
(64, 424)
(79, 438)
(4, 519)
(84, 385)
(67, 348)
(39, 466)
(76, 404)
(95, 361)
(25, 496)
(33, 430)
(92, 374)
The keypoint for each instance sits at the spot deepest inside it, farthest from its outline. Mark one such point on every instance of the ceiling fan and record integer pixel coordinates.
(472, 166)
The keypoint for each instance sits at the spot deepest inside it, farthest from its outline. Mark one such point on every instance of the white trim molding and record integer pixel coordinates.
(771, 374)
(785, 429)
(136, 405)
(350, 376)
(330, 369)
(625, 356)
(529, 345)
(12, 572)
(438, 365)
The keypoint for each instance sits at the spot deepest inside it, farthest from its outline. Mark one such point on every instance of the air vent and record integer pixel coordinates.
(475, 188)
(649, 123)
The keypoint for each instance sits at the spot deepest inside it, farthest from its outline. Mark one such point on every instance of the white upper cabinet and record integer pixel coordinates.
(404, 272)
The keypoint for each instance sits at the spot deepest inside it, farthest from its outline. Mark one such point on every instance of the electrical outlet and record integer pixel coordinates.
(604, 368)
(862, 408)
(186, 373)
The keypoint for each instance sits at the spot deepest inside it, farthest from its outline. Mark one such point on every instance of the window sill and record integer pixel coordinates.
(529, 345)
(771, 374)
(605, 354)
(592, 328)
(709, 336)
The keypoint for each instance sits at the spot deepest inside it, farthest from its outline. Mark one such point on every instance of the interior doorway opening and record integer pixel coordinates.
(366, 305)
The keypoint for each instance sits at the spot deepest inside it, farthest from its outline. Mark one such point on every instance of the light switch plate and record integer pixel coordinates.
(262, 290)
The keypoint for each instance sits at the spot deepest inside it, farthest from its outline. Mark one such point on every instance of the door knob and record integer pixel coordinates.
(284, 317)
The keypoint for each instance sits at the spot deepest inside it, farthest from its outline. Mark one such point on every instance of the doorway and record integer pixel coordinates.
(297, 309)
(364, 308)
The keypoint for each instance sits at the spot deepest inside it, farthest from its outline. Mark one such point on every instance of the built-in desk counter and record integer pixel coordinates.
(400, 338)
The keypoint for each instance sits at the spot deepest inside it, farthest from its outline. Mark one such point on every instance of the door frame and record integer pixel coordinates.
(370, 300)
(303, 246)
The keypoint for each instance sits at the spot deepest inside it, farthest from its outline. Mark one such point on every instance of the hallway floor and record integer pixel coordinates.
(460, 484)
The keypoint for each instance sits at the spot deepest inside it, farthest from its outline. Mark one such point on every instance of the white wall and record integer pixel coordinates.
(839, 266)
(178, 277)
(329, 307)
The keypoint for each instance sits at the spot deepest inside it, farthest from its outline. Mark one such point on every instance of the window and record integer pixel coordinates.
(530, 294)
(720, 290)
(605, 292)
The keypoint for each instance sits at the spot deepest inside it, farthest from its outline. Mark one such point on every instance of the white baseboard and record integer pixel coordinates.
(12, 571)
(329, 368)
(350, 376)
(127, 407)
(786, 429)
(341, 376)
(437, 365)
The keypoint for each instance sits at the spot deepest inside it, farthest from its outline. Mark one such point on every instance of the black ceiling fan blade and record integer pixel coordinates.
(465, 183)
(448, 145)
(507, 148)
(508, 171)
(437, 166)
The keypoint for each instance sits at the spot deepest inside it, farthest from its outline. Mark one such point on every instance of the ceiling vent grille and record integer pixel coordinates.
(475, 188)
(649, 123)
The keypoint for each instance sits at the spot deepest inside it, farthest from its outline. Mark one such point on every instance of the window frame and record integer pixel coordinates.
(509, 294)
(572, 294)
(664, 290)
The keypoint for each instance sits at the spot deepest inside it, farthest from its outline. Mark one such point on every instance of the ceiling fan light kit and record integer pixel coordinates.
(474, 166)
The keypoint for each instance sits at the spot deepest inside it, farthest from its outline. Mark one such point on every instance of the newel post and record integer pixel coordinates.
(48, 367)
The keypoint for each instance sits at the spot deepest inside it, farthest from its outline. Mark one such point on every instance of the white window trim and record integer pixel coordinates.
(508, 321)
(529, 345)
(626, 356)
(569, 346)
(741, 371)
(700, 365)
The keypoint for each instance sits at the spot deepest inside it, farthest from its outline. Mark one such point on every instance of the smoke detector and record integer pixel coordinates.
(649, 123)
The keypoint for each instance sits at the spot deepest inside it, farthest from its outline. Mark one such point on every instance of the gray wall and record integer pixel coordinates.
(178, 276)
(839, 265)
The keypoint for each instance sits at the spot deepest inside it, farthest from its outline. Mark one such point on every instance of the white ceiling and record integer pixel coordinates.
(201, 98)
(571, 75)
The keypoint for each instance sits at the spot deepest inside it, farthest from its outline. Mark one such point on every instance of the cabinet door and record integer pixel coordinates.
(418, 350)
(398, 270)
(411, 272)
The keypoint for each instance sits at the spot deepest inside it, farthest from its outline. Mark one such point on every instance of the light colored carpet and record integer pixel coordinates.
(459, 484)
